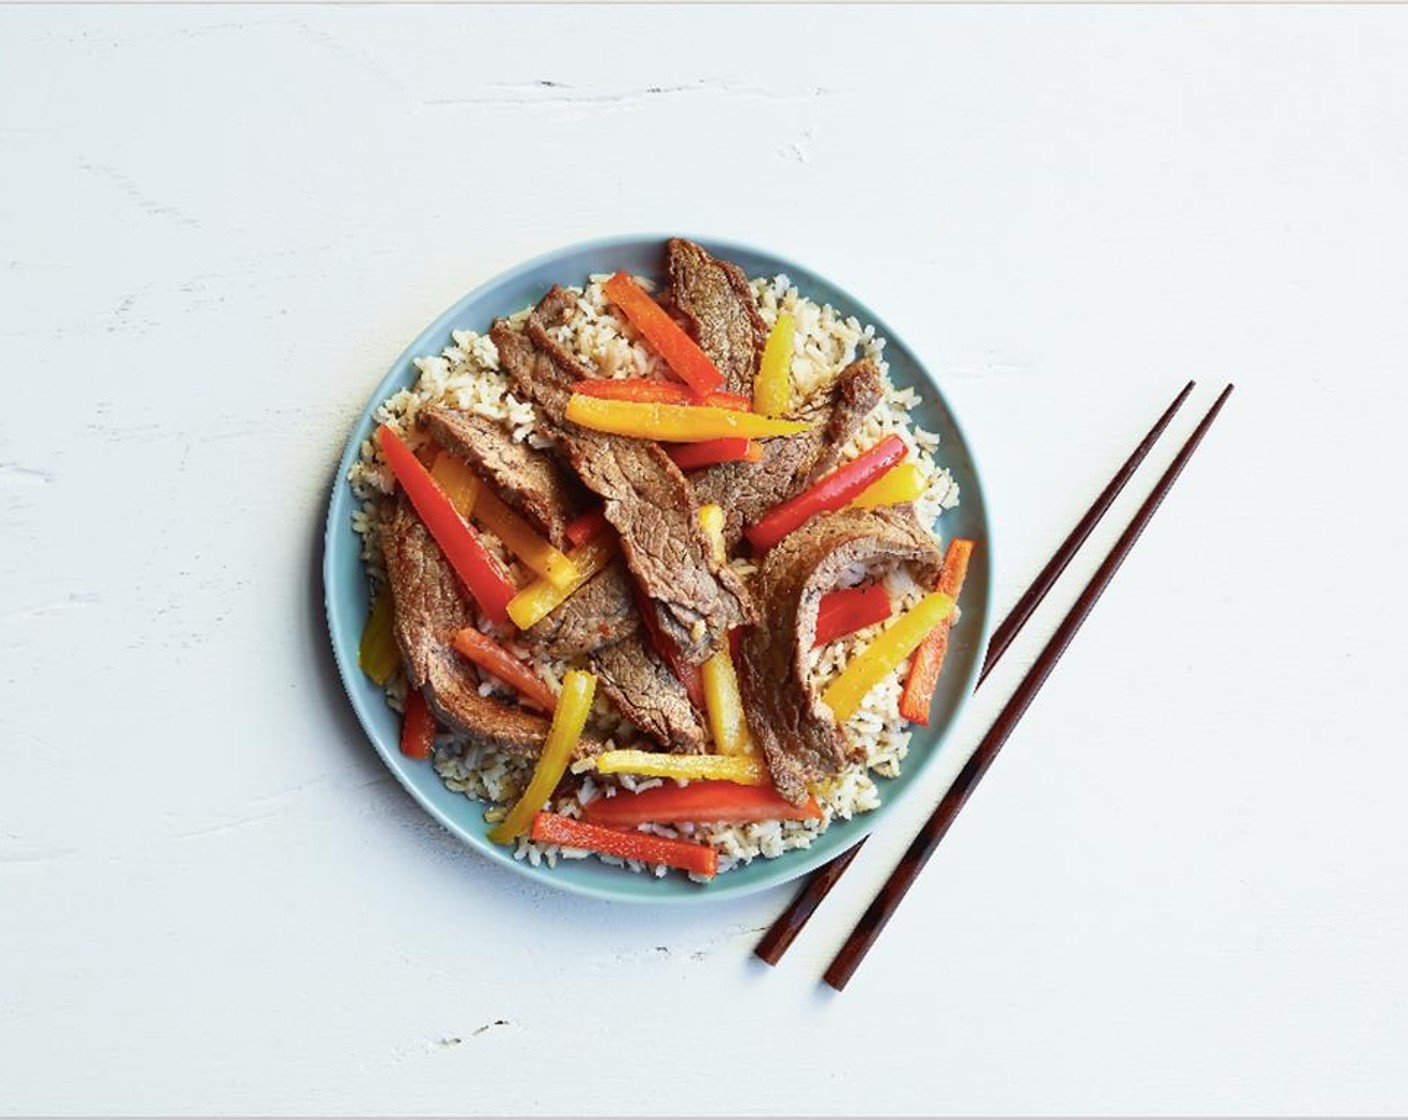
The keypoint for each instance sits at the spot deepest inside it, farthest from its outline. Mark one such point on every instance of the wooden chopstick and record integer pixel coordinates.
(793, 920)
(867, 930)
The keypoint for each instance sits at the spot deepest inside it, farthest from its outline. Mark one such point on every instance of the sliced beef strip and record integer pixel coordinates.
(645, 496)
(746, 491)
(649, 694)
(430, 606)
(716, 301)
(530, 480)
(798, 734)
(599, 613)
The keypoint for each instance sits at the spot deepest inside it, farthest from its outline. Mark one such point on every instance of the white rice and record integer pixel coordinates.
(466, 376)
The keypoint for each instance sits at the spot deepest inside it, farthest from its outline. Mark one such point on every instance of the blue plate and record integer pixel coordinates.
(345, 582)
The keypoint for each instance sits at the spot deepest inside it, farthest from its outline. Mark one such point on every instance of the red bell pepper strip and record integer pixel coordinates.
(490, 656)
(658, 392)
(701, 802)
(831, 492)
(417, 727)
(482, 575)
(728, 449)
(585, 526)
(551, 828)
(850, 609)
(687, 674)
(928, 659)
(681, 353)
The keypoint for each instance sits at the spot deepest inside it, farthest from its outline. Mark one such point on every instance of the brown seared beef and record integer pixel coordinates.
(530, 480)
(599, 613)
(798, 734)
(649, 694)
(746, 491)
(645, 496)
(716, 301)
(430, 607)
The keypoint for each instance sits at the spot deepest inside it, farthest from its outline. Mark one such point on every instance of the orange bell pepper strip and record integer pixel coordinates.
(692, 456)
(417, 727)
(573, 708)
(552, 828)
(831, 492)
(660, 392)
(458, 480)
(522, 539)
(482, 575)
(928, 661)
(585, 526)
(885, 654)
(699, 803)
(493, 658)
(681, 353)
(850, 609)
(674, 423)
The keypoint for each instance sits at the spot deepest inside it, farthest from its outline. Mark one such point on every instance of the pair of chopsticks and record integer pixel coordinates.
(792, 920)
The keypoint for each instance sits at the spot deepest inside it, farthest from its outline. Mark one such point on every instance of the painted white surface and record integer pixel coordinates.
(1181, 889)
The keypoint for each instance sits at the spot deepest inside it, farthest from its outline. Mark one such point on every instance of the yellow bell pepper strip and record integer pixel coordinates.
(902, 483)
(698, 802)
(772, 388)
(417, 727)
(662, 392)
(723, 703)
(850, 609)
(692, 456)
(743, 769)
(885, 654)
(492, 657)
(378, 654)
(522, 539)
(928, 660)
(553, 828)
(830, 492)
(461, 485)
(681, 353)
(573, 707)
(674, 423)
(481, 574)
(542, 595)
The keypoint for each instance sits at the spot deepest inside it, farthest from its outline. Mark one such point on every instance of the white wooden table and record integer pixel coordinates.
(1183, 888)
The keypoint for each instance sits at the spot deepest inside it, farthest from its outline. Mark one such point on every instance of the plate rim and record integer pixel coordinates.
(341, 506)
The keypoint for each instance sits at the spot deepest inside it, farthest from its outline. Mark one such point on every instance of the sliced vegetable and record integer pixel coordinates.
(687, 674)
(831, 492)
(743, 769)
(522, 539)
(700, 803)
(573, 707)
(492, 657)
(458, 480)
(903, 483)
(674, 423)
(722, 700)
(730, 449)
(553, 828)
(772, 387)
(886, 653)
(481, 574)
(681, 353)
(850, 609)
(378, 654)
(585, 526)
(542, 595)
(711, 520)
(661, 392)
(928, 660)
(417, 727)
